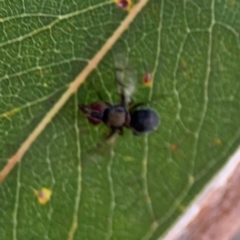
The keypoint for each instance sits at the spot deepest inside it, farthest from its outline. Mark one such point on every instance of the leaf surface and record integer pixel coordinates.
(135, 188)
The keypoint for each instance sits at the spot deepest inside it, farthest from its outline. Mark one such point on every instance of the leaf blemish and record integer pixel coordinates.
(10, 113)
(128, 159)
(173, 147)
(124, 4)
(43, 195)
(217, 142)
(147, 79)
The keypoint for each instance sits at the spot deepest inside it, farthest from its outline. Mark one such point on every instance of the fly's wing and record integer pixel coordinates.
(125, 76)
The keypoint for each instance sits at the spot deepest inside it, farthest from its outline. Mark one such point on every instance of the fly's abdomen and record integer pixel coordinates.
(144, 121)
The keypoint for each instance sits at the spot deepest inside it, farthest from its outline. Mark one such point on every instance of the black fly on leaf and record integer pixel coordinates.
(124, 114)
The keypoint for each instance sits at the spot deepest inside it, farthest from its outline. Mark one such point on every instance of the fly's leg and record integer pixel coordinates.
(84, 108)
(123, 101)
(132, 108)
(105, 102)
(112, 133)
(121, 87)
(120, 131)
(101, 98)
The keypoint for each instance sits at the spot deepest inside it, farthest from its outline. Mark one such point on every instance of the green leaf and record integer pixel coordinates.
(137, 187)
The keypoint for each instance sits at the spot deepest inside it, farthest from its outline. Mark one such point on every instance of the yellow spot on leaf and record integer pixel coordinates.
(217, 142)
(184, 65)
(45, 85)
(173, 147)
(10, 113)
(43, 195)
(191, 179)
(128, 159)
(182, 208)
(147, 79)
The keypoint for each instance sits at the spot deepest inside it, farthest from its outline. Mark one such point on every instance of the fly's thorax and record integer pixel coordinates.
(115, 116)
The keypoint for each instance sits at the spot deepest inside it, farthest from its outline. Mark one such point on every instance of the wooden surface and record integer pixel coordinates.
(215, 213)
